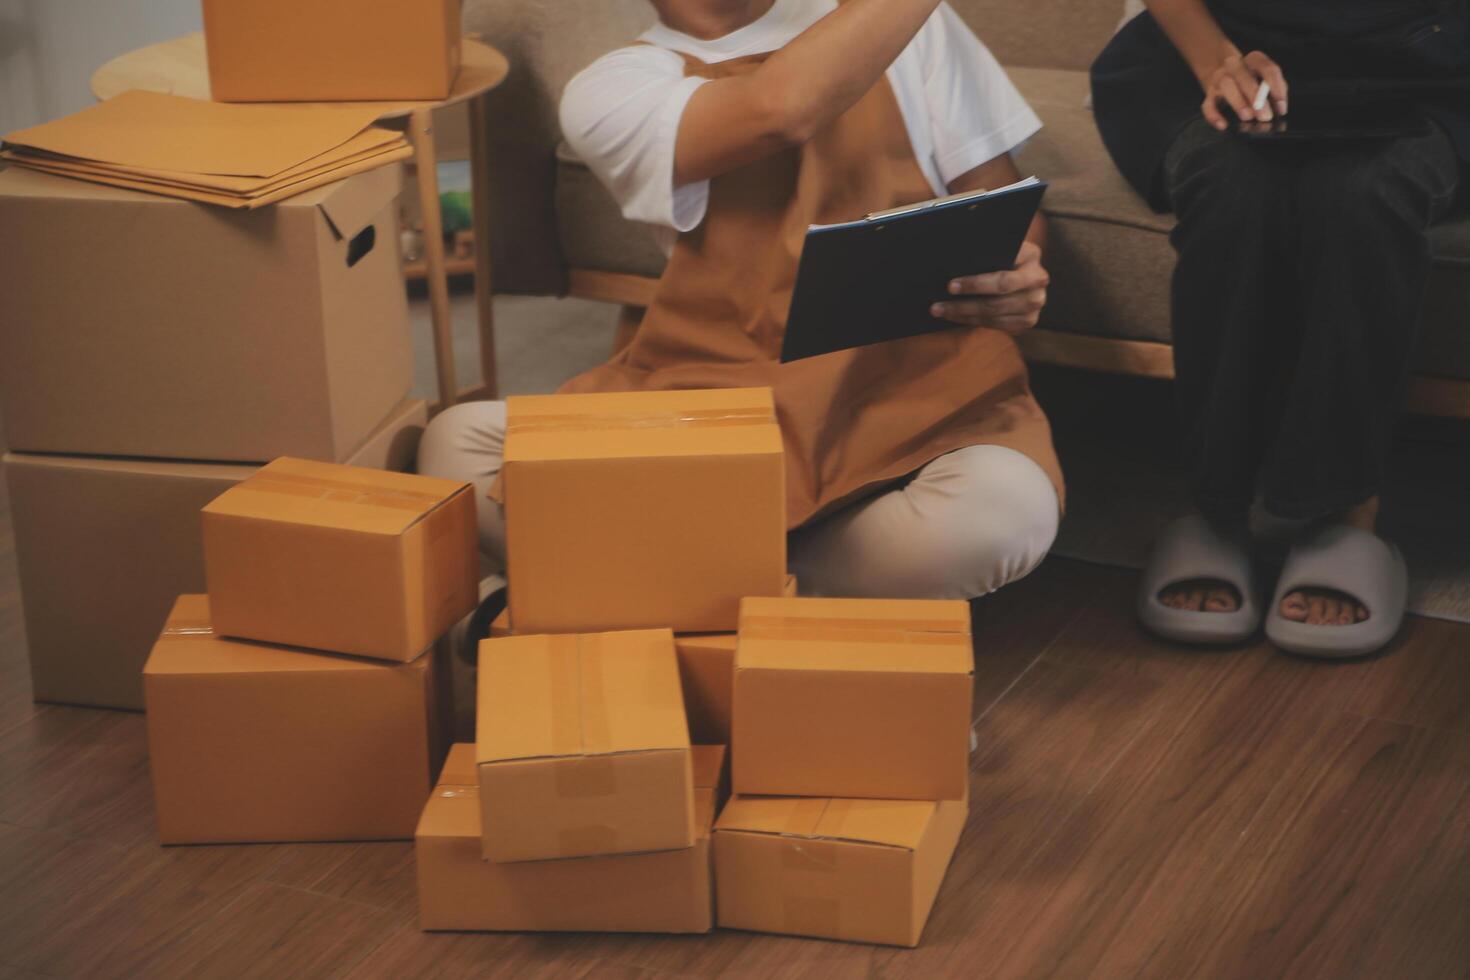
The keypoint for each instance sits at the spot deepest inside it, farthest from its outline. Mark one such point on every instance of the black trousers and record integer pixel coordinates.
(1295, 305)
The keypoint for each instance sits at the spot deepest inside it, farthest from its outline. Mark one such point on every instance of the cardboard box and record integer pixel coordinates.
(642, 509)
(860, 870)
(706, 673)
(104, 546)
(139, 325)
(659, 891)
(331, 50)
(250, 742)
(341, 558)
(853, 697)
(582, 746)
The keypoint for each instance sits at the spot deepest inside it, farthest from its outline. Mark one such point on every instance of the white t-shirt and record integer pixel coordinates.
(621, 114)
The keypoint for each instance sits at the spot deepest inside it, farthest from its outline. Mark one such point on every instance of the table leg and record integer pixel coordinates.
(484, 284)
(421, 134)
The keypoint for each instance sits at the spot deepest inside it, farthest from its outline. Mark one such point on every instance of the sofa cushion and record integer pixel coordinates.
(593, 232)
(1110, 256)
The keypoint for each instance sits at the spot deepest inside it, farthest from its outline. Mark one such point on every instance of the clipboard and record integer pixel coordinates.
(873, 280)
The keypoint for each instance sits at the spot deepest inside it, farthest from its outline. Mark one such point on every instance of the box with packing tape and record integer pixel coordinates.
(656, 891)
(853, 697)
(250, 742)
(88, 636)
(582, 746)
(341, 558)
(635, 510)
(863, 870)
(332, 50)
(706, 672)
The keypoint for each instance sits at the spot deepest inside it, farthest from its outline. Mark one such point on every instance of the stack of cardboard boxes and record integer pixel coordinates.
(155, 352)
(583, 804)
(303, 698)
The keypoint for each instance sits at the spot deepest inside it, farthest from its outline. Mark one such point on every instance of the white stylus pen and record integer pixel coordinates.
(1261, 93)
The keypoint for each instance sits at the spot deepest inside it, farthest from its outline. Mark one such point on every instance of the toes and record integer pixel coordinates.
(1315, 610)
(1220, 601)
(1196, 600)
(1294, 607)
(1362, 614)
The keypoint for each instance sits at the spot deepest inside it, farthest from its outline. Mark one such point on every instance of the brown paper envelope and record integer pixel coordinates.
(232, 200)
(370, 140)
(242, 186)
(157, 131)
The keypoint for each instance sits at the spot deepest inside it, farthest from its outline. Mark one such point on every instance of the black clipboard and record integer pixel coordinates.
(873, 280)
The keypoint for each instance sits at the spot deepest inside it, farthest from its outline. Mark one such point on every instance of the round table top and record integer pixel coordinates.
(178, 67)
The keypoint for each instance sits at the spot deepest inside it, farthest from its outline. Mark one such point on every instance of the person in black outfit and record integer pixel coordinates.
(1296, 296)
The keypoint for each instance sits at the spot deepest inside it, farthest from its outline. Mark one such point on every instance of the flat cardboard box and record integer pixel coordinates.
(859, 870)
(139, 325)
(250, 742)
(341, 558)
(660, 891)
(853, 697)
(104, 546)
(706, 673)
(582, 746)
(331, 50)
(639, 510)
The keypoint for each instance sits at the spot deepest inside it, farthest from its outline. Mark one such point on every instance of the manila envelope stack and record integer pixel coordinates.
(235, 156)
(667, 739)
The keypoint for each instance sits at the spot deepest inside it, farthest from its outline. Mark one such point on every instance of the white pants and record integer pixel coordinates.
(966, 524)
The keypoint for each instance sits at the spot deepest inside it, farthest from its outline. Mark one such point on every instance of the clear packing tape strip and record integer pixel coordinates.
(931, 632)
(613, 421)
(340, 491)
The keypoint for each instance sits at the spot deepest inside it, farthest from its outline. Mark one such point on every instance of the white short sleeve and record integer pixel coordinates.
(620, 115)
(975, 111)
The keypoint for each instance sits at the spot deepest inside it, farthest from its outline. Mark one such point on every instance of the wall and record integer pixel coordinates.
(49, 49)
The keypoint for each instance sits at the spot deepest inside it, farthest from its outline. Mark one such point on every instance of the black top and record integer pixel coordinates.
(1144, 93)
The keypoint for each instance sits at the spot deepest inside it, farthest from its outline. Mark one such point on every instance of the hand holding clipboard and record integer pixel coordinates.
(873, 280)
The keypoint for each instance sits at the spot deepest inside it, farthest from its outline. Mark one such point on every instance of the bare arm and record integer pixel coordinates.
(1012, 299)
(1224, 73)
(733, 121)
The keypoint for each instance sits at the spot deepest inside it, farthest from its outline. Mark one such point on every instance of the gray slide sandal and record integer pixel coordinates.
(1191, 548)
(1356, 563)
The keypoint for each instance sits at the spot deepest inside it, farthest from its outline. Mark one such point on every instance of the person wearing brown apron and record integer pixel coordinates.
(920, 467)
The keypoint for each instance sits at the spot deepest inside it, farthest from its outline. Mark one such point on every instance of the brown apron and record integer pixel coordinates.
(853, 420)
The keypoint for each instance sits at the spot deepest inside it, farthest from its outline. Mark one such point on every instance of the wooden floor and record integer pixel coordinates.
(1138, 810)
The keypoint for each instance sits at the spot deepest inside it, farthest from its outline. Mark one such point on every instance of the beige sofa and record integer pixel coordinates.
(558, 231)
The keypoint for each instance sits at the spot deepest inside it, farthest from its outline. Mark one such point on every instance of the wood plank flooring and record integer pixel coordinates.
(1139, 810)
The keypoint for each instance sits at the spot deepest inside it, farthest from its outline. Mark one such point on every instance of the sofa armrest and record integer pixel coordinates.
(547, 42)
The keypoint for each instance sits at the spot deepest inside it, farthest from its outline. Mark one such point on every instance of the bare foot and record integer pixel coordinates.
(1201, 594)
(1326, 607)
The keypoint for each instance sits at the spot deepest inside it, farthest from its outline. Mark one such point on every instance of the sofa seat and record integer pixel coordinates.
(1109, 254)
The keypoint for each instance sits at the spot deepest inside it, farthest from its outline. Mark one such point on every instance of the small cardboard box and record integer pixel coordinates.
(105, 546)
(582, 746)
(331, 50)
(341, 558)
(640, 510)
(860, 870)
(853, 697)
(658, 891)
(250, 742)
(147, 326)
(706, 673)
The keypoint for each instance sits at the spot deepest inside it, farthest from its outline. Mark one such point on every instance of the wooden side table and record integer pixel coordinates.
(178, 67)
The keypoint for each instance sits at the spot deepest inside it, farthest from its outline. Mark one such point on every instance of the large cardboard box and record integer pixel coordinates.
(658, 891)
(139, 325)
(331, 50)
(104, 546)
(862, 870)
(706, 673)
(341, 558)
(853, 697)
(251, 742)
(642, 509)
(582, 746)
